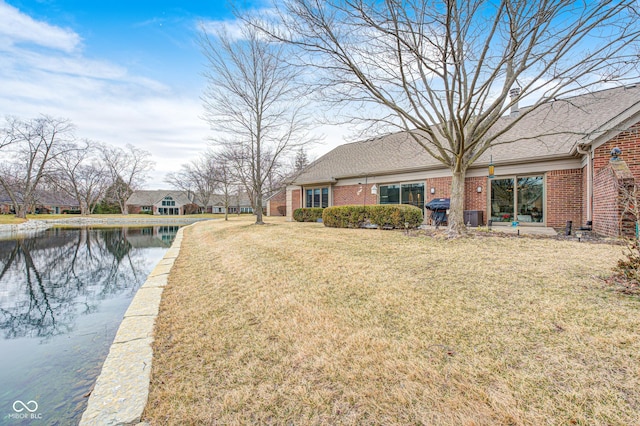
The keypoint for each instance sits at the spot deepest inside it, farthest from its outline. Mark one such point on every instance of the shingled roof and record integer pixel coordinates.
(150, 197)
(553, 131)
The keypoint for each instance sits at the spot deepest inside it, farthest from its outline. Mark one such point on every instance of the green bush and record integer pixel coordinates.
(309, 214)
(382, 215)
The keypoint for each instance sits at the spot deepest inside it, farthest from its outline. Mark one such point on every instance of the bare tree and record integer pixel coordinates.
(128, 169)
(301, 160)
(255, 100)
(443, 70)
(29, 148)
(82, 175)
(198, 177)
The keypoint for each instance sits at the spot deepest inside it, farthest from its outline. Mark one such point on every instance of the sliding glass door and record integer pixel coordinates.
(519, 198)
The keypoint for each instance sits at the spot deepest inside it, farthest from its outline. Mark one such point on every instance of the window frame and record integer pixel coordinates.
(310, 193)
(514, 213)
(400, 185)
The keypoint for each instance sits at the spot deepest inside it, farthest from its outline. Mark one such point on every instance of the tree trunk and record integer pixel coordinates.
(457, 226)
(258, 210)
(21, 211)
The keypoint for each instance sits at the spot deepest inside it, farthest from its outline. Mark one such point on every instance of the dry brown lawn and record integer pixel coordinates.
(300, 324)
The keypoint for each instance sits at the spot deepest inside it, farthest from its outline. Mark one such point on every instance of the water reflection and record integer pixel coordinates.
(66, 290)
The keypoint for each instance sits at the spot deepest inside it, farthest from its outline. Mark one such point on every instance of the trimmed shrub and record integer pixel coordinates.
(308, 214)
(382, 215)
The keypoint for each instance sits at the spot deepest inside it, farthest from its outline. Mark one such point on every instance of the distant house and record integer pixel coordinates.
(237, 204)
(172, 202)
(555, 168)
(277, 203)
(162, 202)
(46, 202)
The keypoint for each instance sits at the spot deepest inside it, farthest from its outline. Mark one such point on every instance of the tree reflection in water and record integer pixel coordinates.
(46, 282)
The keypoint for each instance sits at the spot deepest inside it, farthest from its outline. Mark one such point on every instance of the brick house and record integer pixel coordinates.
(553, 166)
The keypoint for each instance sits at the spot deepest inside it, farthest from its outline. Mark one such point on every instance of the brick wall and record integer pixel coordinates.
(278, 203)
(354, 194)
(629, 142)
(474, 200)
(441, 185)
(564, 198)
(295, 199)
(134, 209)
(608, 182)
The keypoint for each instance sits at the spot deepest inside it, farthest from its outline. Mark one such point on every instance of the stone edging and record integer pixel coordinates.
(122, 388)
(33, 226)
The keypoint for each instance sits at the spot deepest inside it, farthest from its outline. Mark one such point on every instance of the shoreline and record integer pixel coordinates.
(33, 226)
(121, 390)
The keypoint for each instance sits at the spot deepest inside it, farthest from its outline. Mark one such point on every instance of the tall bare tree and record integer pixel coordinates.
(128, 170)
(80, 173)
(255, 102)
(443, 70)
(30, 147)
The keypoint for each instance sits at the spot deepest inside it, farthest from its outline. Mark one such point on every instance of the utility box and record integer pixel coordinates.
(473, 217)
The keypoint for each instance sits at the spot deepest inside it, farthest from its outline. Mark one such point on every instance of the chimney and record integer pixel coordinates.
(514, 93)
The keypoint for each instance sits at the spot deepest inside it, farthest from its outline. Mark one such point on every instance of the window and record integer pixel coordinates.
(146, 208)
(168, 202)
(519, 198)
(317, 197)
(389, 194)
(406, 193)
(413, 194)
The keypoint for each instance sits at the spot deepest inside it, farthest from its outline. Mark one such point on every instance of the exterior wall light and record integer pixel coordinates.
(491, 168)
(479, 189)
(433, 190)
(374, 189)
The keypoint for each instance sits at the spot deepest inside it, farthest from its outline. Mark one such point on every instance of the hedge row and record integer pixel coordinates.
(309, 214)
(382, 215)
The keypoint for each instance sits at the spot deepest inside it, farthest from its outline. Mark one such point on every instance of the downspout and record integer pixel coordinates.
(589, 180)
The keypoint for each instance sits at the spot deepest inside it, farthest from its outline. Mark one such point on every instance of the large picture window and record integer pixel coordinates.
(406, 193)
(389, 194)
(519, 198)
(317, 197)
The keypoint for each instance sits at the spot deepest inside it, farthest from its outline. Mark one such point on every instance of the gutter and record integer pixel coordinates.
(588, 153)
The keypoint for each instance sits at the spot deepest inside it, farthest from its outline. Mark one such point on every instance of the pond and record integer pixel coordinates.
(63, 294)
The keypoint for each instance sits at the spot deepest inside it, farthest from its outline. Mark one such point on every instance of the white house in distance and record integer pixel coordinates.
(173, 202)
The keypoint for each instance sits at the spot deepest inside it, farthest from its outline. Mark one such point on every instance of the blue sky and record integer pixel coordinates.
(122, 71)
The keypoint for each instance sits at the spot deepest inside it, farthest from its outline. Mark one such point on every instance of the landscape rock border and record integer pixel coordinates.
(122, 388)
(36, 225)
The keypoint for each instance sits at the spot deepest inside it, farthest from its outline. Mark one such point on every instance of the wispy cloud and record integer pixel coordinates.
(45, 71)
(16, 27)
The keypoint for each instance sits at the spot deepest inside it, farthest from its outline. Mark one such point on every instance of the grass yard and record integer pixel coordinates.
(9, 219)
(296, 323)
